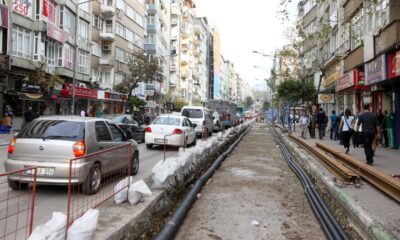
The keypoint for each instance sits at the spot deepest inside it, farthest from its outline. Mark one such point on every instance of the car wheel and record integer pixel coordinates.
(194, 141)
(149, 146)
(135, 163)
(143, 140)
(17, 185)
(93, 181)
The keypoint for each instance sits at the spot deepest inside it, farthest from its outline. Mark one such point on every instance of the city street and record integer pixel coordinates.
(54, 198)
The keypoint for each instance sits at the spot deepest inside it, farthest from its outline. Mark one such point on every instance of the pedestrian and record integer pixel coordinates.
(381, 118)
(389, 129)
(333, 128)
(6, 120)
(99, 113)
(384, 131)
(346, 129)
(83, 113)
(304, 122)
(29, 115)
(339, 134)
(370, 128)
(320, 122)
(313, 124)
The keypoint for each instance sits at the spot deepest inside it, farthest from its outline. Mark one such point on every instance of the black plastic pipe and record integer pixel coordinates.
(328, 223)
(172, 227)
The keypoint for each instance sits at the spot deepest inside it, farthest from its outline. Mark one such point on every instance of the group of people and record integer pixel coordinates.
(366, 129)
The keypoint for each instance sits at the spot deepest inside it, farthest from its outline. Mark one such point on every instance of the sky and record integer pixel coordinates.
(245, 26)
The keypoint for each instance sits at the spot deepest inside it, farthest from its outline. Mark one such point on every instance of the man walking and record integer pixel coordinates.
(320, 121)
(370, 127)
(304, 122)
(333, 118)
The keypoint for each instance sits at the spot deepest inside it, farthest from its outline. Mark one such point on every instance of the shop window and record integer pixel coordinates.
(21, 42)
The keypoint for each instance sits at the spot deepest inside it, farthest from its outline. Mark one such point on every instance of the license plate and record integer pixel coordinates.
(45, 171)
(160, 140)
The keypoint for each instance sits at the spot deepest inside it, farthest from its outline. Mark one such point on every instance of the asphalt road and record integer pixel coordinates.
(54, 198)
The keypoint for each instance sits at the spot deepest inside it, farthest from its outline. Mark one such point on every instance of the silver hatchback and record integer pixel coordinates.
(49, 143)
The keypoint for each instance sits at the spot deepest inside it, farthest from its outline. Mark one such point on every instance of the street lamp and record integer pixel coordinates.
(76, 49)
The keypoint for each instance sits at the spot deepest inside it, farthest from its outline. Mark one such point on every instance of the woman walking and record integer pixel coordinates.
(346, 129)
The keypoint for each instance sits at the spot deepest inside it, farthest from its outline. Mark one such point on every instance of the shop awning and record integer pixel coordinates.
(31, 96)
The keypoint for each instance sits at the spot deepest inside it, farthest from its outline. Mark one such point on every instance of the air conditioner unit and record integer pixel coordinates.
(106, 47)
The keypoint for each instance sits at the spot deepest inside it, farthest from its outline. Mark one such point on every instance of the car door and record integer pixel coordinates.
(120, 157)
(191, 131)
(187, 130)
(136, 130)
(103, 142)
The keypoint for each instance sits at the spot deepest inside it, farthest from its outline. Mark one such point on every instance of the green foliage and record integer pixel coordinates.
(266, 105)
(137, 102)
(248, 101)
(142, 68)
(178, 104)
(45, 80)
(293, 91)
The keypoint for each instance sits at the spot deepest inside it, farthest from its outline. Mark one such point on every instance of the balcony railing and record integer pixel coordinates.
(107, 11)
(107, 37)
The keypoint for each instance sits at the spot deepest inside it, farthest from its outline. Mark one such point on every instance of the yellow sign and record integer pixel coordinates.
(332, 74)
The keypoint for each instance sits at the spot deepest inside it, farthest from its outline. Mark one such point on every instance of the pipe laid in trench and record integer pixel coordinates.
(330, 226)
(172, 227)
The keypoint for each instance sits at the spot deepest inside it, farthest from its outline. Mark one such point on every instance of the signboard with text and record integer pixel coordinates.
(23, 7)
(80, 92)
(375, 71)
(394, 65)
(326, 98)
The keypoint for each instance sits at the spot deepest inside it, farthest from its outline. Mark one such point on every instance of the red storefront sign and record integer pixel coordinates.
(394, 65)
(351, 80)
(80, 92)
(3, 16)
(113, 96)
(56, 33)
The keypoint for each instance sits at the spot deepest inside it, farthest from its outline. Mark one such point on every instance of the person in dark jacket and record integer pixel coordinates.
(320, 123)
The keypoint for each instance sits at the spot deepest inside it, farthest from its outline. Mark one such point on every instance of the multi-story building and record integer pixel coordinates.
(157, 42)
(117, 31)
(216, 46)
(4, 57)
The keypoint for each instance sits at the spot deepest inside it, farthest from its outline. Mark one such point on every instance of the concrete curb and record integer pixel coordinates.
(358, 219)
(143, 220)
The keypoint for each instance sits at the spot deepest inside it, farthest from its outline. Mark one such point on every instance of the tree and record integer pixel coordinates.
(45, 80)
(266, 105)
(248, 101)
(142, 68)
(137, 102)
(292, 91)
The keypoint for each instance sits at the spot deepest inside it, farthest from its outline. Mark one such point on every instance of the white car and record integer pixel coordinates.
(170, 130)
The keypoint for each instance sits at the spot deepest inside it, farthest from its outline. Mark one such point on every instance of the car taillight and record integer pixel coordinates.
(11, 146)
(177, 131)
(79, 148)
(148, 129)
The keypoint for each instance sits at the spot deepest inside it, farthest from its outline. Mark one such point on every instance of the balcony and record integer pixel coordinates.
(185, 31)
(186, 59)
(106, 62)
(197, 42)
(151, 28)
(107, 11)
(149, 46)
(173, 67)
(185, 74)
(174, 21)
(197, 29)
(151, 9)
(106, 37)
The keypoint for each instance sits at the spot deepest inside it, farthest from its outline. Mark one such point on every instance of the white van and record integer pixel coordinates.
(201, 116)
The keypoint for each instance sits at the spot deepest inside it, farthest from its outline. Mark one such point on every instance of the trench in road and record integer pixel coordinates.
(54, 198)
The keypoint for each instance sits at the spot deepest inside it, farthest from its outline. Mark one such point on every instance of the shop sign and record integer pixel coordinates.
(114, 96)
(23, 7)
(394, 65)
(332, 74)
(326, 98)
(56, 33)
(3, 16)
(345, 81)
(375, 71)
(30, 87)
(80, 92)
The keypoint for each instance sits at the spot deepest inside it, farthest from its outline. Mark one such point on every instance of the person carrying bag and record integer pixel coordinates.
(346, 130)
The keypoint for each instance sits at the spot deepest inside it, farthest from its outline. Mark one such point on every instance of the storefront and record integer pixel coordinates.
(351, 87)
(328, 87)
(112, 102)
(393, 63)
(83, 97)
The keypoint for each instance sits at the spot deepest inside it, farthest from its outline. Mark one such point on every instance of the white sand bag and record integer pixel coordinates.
(84, 227)
(122, 195)
(54, 229)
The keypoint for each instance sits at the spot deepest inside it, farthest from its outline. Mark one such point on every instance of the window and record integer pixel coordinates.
(38, 52)
(310, 28)
(139, 20)
(97, 22)
(67, 21)
(83, 62)
(51, 11)
(102, 133)
(356, 30)
(129, 56)
(83, 30)
(2, 46)
(118, 136)
(150, 19)
(151, 39)
(130, 12)
(95, 75)
(121, 5)
(345, 37)
(68, 56)
(119, 54)
(96, 49)
(109, 26)
(84, 6)
(106, 77)
(141, 2)
(54, 129)
(120, 30)
(309, 57)
(130, 36)
(21, 43)
(309, 5)
(119, 78)
(50, 52)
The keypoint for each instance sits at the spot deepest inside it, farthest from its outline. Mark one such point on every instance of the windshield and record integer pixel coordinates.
(192, 113)
(167, 121)
(54, 129)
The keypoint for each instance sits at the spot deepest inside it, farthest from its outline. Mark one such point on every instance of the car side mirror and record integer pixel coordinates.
(128, 135)
(194, 125)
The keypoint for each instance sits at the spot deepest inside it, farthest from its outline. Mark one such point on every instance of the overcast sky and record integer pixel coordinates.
(245, 26)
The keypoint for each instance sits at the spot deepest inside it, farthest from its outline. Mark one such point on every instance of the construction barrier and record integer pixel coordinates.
(17, 204)
(92, 178)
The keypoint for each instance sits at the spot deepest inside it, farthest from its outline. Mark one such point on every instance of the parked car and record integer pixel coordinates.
(217, 124)
(200, 116)
(131, 125)
(175, 130)
(49, 143)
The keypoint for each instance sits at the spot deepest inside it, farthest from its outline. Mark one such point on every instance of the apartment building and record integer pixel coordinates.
(157, 42)
(4, 57)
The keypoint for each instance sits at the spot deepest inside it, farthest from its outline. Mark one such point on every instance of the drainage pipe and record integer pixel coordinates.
(172, 227)
(330, 226)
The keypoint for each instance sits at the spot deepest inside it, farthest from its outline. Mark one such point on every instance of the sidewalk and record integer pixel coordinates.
(5, 138)
(385, 159)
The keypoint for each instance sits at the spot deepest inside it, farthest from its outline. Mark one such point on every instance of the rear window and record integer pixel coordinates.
(167, 121)
(54, 129)
(192, 113)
